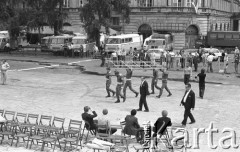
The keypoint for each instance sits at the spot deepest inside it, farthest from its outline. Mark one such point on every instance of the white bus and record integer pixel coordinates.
(124, 41)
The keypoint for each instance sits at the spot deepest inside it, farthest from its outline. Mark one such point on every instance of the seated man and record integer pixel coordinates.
(104, 120)
(87, 117)
(132, 127)
(159, 123)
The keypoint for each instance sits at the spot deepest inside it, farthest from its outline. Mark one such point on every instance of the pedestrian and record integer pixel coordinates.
(236, 51)
(168, 60)
(225, 63)
(236, 62)
(209, 62)
(114, 57)
(154, 81)
(65, 48)
(7, 47)
(188, 101)
(165, 74)
(119, 86)
(108, 83)
(128, 83)
(124, 53)
(204, 59)
(201, 81)
(183, 61)
(4, 67)
(143, 95)
(187, 73)
(195, 62)
(177, 59)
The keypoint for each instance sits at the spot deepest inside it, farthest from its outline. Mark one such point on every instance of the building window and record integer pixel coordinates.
(80, 3)
(115, 20)
(177, 3)
(189, 2)
(202, 3)
(66, 3)
(145, 3)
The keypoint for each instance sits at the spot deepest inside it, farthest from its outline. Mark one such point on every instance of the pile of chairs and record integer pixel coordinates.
(40, 129)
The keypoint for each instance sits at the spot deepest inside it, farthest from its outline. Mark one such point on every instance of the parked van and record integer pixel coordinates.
(45, 44)
(124, 41)
(146, 41)
(56, 43)
(3, 42)
(82, 41)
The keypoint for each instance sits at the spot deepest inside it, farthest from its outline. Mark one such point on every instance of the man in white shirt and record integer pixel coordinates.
(104, 121)
(210, 60)
(4, 67)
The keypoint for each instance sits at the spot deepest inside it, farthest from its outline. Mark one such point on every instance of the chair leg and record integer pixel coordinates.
(87, 135)
(12, 141)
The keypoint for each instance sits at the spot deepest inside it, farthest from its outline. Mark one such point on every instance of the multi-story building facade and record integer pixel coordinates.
(186, 20)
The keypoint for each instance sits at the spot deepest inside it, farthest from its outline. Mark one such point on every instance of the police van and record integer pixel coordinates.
(124, 41)
(81, 41)
(56, 43)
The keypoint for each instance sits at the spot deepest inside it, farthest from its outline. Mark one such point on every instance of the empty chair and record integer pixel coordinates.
(22, 133)
(9, 116)
(32, 119)
(21, 118)
(37, 135)
(9, 129)
(45, 120)
(73, 134)
(59, 123)
(51, 138)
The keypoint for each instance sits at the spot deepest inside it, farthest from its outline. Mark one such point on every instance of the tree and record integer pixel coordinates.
(98, 13)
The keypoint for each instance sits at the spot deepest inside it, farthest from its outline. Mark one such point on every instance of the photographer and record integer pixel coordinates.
(88, 117)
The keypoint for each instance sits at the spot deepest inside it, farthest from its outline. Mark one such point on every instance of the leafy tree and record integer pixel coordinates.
(97, 13)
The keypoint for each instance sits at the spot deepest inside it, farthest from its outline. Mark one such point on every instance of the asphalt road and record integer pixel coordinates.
(64, 90)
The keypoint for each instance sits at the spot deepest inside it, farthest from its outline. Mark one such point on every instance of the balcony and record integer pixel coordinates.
(163, 9)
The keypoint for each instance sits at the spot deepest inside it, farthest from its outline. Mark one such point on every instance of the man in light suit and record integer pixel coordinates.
(143, 95)
(188, 101)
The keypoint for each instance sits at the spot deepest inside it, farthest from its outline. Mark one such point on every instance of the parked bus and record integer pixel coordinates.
(227, 40)
(124, 41)
(56, 43)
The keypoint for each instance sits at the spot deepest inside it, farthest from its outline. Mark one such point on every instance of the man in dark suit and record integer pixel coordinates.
(188, 101)
(87, 117)
(143, 94)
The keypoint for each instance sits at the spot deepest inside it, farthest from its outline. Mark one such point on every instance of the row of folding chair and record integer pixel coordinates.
(43, 129)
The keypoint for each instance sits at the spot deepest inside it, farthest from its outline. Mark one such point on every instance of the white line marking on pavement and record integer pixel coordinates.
(81, 61)
(56, 65)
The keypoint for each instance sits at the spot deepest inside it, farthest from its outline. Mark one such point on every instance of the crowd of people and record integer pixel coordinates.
(180, 59)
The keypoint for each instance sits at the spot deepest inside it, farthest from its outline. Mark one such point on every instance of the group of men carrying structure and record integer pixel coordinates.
(128, 83)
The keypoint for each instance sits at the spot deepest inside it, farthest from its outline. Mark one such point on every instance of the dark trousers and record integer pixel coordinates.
(187, 113)
(201, 90)
(164, 86)
(154, 84)
(183, 62)
(128, 84)
(118, 92)
(186, 78)
(108, 83)
(142, 102)
(195, 66)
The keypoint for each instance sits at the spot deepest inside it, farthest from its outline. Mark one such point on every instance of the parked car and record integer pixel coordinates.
(216, 52)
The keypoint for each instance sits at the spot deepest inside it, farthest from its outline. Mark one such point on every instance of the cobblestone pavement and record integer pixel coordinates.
(63, 92)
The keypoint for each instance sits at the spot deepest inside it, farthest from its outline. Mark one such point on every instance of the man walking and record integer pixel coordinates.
(128, 83)
(209, 62)
(154, 81)
(188, 101)
(4, 67)
(236, 62)
(143, 95)
(120, 83)
(108, 83)
(164, 83)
